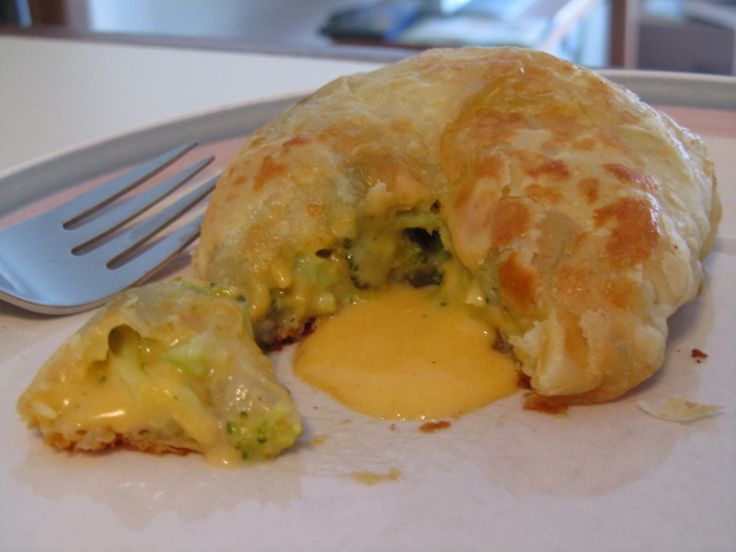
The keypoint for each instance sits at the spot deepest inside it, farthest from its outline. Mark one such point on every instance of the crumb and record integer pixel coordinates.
(698, 355)
(524, 382)
(315, 407)
(677, 409)
(392, 427)
(373, 478)
(317, 440)
(346, 421)
(547, 405)
(430, 427)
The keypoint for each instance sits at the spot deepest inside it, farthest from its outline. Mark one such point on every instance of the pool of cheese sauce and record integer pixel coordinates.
(400, 354)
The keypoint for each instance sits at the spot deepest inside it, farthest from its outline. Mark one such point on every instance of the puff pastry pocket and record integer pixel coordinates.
(572, 215)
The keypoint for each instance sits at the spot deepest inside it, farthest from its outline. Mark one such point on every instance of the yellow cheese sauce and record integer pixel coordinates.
(399, 354)
(170, 367)
(120, 396)
(160, 399)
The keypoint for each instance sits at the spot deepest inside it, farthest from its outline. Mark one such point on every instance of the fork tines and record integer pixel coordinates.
(76, 255)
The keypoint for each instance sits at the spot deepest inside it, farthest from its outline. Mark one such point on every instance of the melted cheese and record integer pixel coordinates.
(111, 407)
(399, 354)
(121, 396)
(168, 367)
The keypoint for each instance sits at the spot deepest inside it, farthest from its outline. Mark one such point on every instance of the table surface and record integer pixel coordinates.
(57, 94)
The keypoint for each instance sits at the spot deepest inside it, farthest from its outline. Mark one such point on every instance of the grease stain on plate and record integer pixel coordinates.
(374, 478)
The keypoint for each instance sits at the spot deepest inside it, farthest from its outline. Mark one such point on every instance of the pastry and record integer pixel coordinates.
(167, 367)
(566, 212)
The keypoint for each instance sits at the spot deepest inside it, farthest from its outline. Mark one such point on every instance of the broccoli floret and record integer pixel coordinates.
(420, 258)
(265, 435)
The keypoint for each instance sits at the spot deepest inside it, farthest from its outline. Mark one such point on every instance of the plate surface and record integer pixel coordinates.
(598, 478)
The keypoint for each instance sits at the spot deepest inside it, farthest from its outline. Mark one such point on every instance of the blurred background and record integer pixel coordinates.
(675, 35)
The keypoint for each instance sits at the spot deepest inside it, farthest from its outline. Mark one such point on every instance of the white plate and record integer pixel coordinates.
(600, 478)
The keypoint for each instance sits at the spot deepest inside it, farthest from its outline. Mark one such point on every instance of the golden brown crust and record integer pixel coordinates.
(582, 212)
(140, 444)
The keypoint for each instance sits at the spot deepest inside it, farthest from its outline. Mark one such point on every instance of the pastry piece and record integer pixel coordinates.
(168, 367)
(572, 215)
(677, 409)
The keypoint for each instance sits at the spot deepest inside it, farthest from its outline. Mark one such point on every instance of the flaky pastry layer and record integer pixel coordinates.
(570, 210)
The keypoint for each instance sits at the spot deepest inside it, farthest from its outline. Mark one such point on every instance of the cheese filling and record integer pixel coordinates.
(412, 246)
(403, 330)
(185, 396)
(402, 354)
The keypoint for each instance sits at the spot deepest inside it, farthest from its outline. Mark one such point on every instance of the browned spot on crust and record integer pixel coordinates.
(479, 126)
(431, 427)
(376, 164)
(269, 169)
(543, 194)
(628, 175)
(619, 292)
(341, 139)
(516, 282)
(510, 219)
(589, 188)
(554, 169)
(490, 127)
(634, 234)
(489, 167)
(584, 144)
(402, 124)
(315, 209)
(546, 405)
(298, 140)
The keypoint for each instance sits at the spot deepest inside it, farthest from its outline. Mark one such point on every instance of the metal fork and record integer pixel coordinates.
(59, 262)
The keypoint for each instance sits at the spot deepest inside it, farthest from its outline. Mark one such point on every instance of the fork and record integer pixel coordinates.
(66, 260)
